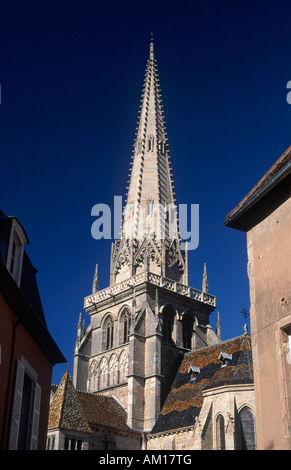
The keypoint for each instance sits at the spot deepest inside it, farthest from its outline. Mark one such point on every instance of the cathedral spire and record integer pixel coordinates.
(150, 179)
(150, 213)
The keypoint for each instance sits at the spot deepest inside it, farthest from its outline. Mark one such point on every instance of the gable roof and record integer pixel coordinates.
(185, 399)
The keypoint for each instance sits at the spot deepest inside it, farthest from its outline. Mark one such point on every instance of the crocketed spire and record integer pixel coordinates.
(149, 229)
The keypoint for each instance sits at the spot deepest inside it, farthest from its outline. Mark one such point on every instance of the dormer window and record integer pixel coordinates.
(193, 371)
(14, 259)
(225, 358)
(17, 240)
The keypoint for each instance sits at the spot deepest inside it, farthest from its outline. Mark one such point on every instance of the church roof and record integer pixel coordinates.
(82, 411)
(101, 410)
(209, 369)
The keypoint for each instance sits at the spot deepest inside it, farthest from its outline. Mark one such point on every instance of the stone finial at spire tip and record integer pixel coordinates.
(245, 314)
(152, 54)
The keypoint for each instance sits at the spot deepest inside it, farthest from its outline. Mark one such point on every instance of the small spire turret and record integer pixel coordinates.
(95, 286)
(205, 280)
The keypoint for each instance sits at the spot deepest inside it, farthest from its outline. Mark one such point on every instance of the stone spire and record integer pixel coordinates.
(149, 222)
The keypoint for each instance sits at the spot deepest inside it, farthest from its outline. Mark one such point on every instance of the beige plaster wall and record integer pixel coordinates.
(269, 270)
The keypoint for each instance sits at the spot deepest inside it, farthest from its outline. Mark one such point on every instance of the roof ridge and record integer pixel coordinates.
(217, 344)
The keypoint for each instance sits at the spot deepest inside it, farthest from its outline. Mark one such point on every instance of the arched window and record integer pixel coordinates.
(168, 323)
(246, 429)
(108, 330)
(187, 325)
(220, 433)
(125, 326)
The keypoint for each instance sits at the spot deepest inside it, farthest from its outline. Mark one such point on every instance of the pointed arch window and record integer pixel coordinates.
(108, 331)
(220, 433)
(125, 327)
(246, 431)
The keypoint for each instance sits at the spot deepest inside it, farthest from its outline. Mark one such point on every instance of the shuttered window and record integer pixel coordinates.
(25, 411)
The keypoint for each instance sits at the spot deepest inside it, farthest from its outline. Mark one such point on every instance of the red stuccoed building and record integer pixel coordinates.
(27, 350)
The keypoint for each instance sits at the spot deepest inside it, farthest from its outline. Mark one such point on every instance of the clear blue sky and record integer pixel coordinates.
(71, 75)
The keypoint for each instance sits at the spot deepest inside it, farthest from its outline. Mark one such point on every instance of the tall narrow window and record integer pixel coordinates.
(220, 433)
(108, 333)
(13, 257)
(26, 409)
(125, 326)
(246, 430)
(16, 255)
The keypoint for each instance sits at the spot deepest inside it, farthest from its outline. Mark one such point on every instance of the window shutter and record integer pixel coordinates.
(35, 417)
(16, 410)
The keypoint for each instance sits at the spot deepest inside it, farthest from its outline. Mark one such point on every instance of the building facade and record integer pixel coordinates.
(148, 317)
(27, 350)
(265, 216)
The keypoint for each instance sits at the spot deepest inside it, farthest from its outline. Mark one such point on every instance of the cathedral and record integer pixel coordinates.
(148, 315)
(149, 347)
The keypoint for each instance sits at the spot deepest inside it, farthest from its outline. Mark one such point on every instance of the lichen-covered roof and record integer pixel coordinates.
(83, 411)
(102, 410)
(65, 410)
(185, 399)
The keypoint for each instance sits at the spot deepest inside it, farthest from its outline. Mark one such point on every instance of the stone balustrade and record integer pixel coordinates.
(152, 278)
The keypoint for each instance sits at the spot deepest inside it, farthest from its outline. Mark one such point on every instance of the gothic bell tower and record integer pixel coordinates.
(141, 324)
